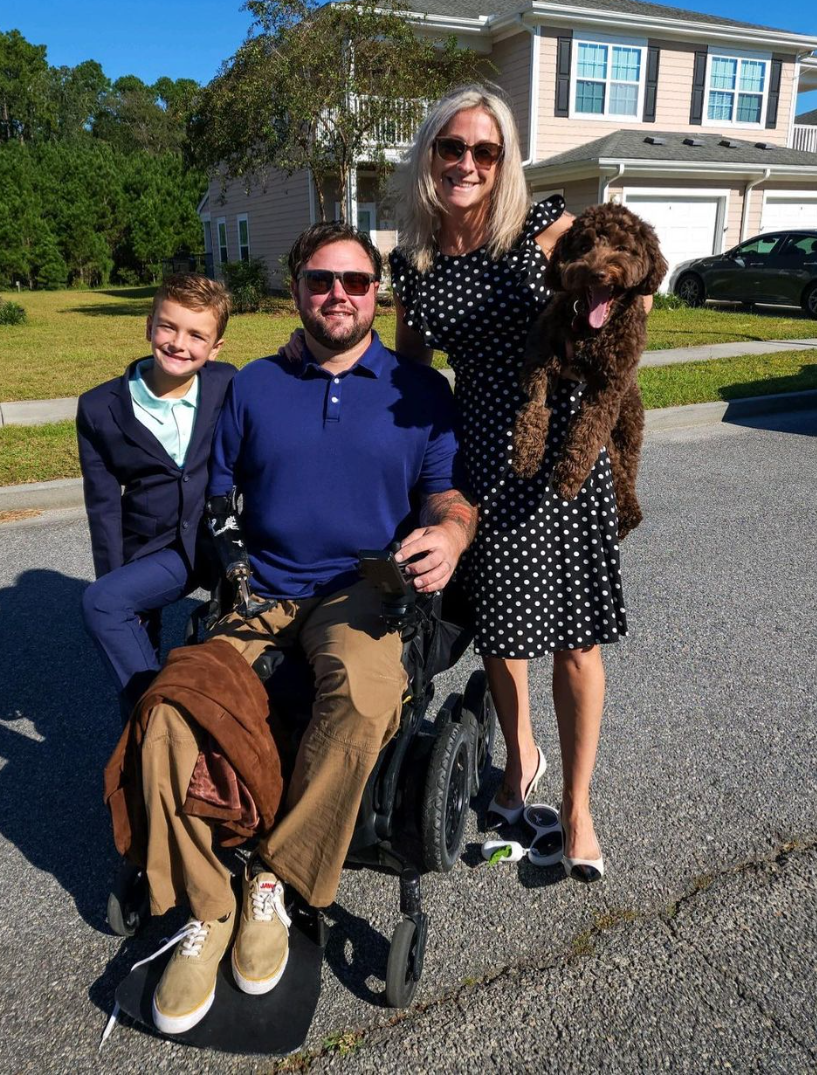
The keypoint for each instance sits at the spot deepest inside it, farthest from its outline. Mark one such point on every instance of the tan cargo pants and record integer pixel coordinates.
(360, 682)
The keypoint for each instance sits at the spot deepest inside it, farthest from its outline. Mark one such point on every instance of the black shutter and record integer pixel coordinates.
(651, 88)
(696, 112)
(774, 93)
(564, 48)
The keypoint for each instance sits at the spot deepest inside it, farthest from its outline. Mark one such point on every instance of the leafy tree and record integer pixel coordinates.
(315, 89)
(24, 84)
(77, 93)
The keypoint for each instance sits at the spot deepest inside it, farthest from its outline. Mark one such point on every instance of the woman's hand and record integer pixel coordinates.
(546, 240)
(293, 349)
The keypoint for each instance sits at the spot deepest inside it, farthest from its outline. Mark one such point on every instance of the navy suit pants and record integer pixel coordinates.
(121, 609)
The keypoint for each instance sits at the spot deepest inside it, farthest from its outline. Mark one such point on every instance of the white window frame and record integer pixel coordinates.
(207, 233)
(371, 207)
(246, 219)
(715, 53)
(219, 222)
(607, 116)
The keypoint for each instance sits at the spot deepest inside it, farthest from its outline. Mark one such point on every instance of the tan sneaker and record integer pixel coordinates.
(261, 948)
(186, 990)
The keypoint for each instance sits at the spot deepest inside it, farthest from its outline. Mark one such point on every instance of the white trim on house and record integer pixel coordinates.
(611, 40)
(242, 218)
(651, 168)
(533, 90)
(477, 30)
(207, 233)
(715, 53)
(793, 109)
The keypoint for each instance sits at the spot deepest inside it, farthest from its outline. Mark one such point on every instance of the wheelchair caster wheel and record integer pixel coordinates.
(479, 716)
(128, 902)
(405, 963)
(446, 797)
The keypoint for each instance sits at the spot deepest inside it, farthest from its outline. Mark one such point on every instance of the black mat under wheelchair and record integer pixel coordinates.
(274, 1024)
(412, 817)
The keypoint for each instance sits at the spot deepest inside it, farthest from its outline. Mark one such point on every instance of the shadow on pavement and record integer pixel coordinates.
(801, 422)
(59, 722)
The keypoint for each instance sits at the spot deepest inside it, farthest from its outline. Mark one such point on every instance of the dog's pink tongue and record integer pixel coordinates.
(599, 303)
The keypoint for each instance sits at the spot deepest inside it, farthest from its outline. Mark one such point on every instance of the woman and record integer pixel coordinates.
(543, 573)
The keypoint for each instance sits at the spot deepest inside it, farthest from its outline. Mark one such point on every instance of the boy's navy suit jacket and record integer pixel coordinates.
(138, 500)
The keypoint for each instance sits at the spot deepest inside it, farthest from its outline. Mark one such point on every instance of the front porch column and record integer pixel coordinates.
(351, 198)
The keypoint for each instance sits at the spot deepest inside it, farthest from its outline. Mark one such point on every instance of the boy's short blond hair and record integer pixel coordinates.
(196, 292)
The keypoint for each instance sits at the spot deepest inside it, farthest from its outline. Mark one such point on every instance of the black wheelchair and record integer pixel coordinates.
(414, 808)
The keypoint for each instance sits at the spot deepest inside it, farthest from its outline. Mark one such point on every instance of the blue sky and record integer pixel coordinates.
(190, 38)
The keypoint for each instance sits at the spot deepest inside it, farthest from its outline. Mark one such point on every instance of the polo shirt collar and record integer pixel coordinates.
(371, 362)
(156, 406)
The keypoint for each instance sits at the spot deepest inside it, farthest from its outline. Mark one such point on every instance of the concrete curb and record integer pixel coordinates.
(36, 412)
(67, 492)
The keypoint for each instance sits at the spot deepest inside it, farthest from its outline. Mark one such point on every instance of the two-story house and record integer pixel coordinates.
(689, 119)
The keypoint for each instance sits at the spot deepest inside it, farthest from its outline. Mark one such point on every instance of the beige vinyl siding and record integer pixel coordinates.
(512, 58)
(557, 134)
(580, 194)
(277, 212)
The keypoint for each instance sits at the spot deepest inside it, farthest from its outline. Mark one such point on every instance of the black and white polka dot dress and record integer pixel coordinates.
(543, 572)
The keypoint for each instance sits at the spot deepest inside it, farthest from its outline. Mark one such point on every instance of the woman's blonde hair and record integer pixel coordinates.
(420, 208)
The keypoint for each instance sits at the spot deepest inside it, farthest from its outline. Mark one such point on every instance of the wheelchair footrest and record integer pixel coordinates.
(276, 1023)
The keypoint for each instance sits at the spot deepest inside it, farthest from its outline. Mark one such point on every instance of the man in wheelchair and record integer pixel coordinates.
(330, 452)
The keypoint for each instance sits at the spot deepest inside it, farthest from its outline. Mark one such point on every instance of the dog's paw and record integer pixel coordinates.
(628, 520)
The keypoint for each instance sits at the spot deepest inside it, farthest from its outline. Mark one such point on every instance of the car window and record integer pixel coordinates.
(763, 245)
(800, 246)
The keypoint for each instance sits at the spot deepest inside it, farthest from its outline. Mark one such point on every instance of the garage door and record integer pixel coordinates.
(779, 213)
(685, 225)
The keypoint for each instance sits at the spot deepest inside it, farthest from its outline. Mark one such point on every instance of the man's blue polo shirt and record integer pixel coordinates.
(329, 465)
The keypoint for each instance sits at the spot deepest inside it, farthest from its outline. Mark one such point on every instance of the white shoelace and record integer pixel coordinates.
(193, 936)
(269, 902)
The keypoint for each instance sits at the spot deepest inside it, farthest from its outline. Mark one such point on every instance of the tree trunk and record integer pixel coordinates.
(343, 186)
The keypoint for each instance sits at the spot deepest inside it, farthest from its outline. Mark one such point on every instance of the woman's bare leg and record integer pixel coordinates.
(508, 680)
(578, 697)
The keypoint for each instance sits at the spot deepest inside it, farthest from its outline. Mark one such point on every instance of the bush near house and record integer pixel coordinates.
(248, 284)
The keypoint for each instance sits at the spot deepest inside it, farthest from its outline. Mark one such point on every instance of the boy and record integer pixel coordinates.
(144, 444)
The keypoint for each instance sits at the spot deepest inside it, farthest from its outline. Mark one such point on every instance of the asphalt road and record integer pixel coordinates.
(697, 952)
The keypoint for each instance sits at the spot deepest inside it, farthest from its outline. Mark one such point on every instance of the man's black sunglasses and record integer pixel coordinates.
(452, 150)
(321, 281)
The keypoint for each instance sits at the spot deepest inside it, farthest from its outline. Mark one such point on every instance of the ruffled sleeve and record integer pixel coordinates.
(527, 257)
(404, 285)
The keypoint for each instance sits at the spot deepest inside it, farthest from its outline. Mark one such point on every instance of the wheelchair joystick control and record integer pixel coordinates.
(224, 526)
(399, 598)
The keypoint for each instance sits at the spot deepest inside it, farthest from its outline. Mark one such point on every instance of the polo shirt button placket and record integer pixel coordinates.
(333, 407)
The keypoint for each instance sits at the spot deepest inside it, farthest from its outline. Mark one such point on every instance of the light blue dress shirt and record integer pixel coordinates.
(170, 421)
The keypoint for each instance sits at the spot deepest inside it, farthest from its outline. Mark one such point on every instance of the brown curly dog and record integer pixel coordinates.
(593, 329)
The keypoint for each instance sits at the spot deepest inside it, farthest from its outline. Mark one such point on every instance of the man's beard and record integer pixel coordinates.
(344, 340)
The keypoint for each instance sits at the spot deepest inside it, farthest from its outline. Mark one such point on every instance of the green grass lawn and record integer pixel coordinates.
(76, 339)
(41, 453)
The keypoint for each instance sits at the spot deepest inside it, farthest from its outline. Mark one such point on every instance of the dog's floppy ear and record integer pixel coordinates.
(553, 272)
(657, 264)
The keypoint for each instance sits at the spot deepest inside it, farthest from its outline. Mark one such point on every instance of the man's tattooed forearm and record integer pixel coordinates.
(451, 507)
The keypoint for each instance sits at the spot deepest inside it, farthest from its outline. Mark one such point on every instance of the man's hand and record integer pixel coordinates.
(451, 522)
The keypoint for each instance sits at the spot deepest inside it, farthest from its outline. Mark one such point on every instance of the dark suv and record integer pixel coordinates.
(779, 268)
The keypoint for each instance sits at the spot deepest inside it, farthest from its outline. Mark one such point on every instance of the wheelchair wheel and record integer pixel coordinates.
(446, 798)
(401, 983)
(479, 716)
(129, 901)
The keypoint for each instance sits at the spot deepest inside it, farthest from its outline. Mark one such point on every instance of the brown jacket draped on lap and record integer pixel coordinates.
(237, 780)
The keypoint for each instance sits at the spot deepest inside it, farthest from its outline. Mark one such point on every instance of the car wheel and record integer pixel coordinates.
(690, 289)
(810, 301)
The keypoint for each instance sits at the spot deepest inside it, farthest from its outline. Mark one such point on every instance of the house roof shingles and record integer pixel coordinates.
(809, 119)
(633, 145)
(473, 9)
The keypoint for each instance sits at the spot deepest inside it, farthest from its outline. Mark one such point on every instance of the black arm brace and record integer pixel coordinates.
(223, 523)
